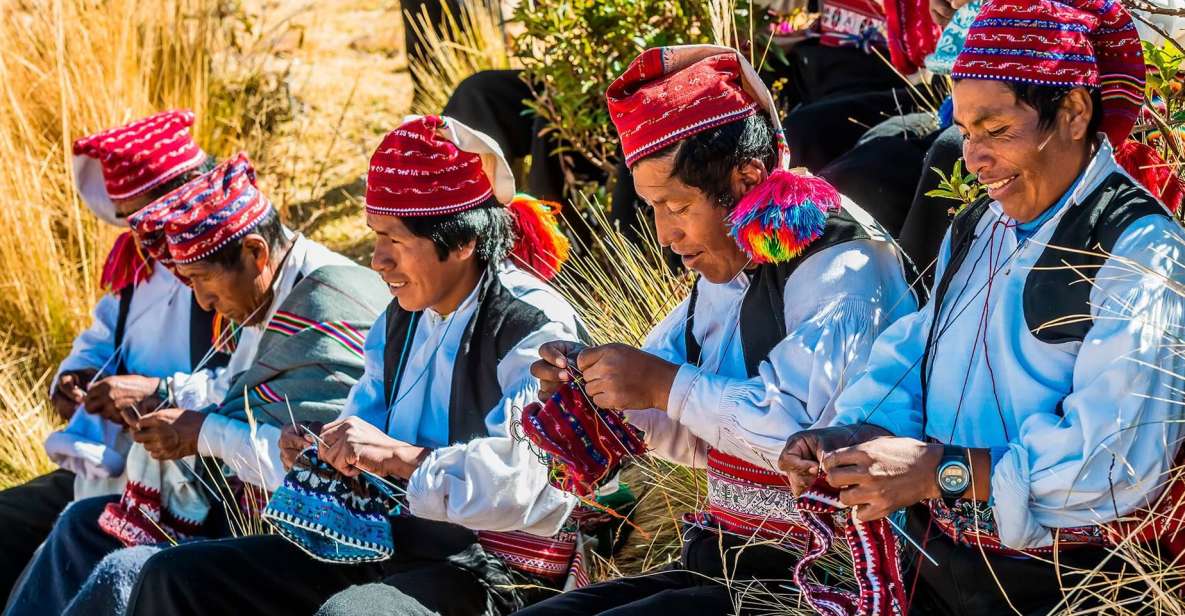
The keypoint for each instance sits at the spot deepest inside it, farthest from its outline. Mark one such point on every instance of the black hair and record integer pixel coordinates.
(489, 225)
(181, 180)
(230, 255)
(1047, 100)
(707, 159)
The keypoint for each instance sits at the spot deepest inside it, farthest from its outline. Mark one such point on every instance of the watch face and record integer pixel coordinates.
(953, 477)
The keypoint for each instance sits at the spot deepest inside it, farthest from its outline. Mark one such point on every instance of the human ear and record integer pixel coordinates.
(1076, 110)
(257, 252)
(747, 176)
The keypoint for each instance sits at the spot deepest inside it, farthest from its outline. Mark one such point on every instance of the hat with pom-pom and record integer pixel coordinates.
(436, 166)
(668, 94)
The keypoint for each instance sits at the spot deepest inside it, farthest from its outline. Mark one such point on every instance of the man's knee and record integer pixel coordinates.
(372, 600)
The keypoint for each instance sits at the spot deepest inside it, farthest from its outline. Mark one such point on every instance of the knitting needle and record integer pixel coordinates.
(180, 462)
(905, 535)
(361, 470)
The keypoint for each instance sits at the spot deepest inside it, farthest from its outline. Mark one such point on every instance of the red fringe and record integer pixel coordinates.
(541, 247)
(1149, 169)
(125, 265)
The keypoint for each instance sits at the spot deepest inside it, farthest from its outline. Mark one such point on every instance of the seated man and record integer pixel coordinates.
(1034, 399)
(807, 304)
(146, 328)
(446, 377)
(223, 236)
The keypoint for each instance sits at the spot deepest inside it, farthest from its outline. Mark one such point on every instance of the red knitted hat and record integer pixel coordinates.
(433, 165)
(1091, 43)
(214, 209)
(668, 94)
(123, 162)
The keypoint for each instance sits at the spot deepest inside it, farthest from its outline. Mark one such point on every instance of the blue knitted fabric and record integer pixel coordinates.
(332, 517)
(951, 42)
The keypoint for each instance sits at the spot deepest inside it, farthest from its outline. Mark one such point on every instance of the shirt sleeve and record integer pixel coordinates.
(497, 482)
(255, 457)
(93, 347)
(826, 346)
(888, 392)
(1109, 449)
(199, 389)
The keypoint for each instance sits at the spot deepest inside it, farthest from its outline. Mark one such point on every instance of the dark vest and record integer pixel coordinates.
(501, 322)
(201, 333)
(1055, 292)
(762, 319)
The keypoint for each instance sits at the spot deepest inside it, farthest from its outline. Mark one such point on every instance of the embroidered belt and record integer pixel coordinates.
(748, 500)
(548, 557)
(972, 524)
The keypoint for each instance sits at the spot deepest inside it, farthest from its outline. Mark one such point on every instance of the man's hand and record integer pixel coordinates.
(108, 397)
(295, 439)
(804, 451)
(618, 376)
(943, 10)
(552, 369)
(167, 434)
(882, 475)
(70, 391)
(352, 445)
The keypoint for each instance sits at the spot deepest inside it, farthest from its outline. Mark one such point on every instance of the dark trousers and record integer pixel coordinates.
(73, 548)
(693, 587)
(27, 514)
(269, 575)
(968, 581)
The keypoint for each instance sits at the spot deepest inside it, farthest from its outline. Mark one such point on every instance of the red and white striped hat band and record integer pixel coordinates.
(127, 161)
(668, 94)
(214, 209)
(435, 165)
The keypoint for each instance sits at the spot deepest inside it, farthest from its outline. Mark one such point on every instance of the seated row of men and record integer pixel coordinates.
(1021, 410)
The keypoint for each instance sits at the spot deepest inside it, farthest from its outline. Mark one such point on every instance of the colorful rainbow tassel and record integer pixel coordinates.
(125, 264)
(780, 217)
(541, 247)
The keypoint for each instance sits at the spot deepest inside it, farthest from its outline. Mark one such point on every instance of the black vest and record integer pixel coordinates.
(1056, 297)
(501, 322)
(201, 333)
(763, 317)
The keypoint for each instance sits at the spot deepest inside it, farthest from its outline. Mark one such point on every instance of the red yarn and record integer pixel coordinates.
(541, 247)
(1149, 169)
(125, 265)
(912, 33)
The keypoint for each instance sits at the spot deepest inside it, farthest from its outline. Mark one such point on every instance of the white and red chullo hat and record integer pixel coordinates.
(214, 209)
(127, 161)
(435, 165)
(1090, 43)
(668, 94)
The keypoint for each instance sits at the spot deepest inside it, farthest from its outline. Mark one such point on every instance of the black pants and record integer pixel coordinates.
(927, 221)
(269, 575)
(968, 581)
(692, 588)
(27, 514)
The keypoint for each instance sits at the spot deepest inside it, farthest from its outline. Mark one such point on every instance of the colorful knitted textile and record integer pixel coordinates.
(972, 524)
(950, 43)
(550, 558)
(1090, 43)
(749, 501)
(852, 23)
(874, 557)
(912, 33)
(215, 209)
(162, 502)
(671, 93)
(585, 444)
(332, 517)
(129, 160)
(1152, 172)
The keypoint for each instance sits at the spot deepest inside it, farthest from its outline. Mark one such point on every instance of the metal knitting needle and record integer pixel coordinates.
(905, 535)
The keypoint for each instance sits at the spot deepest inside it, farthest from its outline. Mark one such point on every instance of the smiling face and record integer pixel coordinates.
(688, 221)
(413, 270)
(1024, 166)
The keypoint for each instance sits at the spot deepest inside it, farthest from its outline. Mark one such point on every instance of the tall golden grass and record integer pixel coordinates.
(69, 67)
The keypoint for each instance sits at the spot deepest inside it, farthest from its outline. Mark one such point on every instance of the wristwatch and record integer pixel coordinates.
(954, 474)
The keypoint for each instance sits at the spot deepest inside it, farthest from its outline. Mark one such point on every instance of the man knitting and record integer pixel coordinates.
(446, 377)
(147, 331)
(300, 314)
(1030, 403)
(781, 316)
